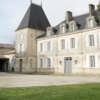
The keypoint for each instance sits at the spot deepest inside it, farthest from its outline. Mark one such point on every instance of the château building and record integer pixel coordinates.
(73, 46)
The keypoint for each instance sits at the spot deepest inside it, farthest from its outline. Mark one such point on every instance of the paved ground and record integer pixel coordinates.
(22, 80)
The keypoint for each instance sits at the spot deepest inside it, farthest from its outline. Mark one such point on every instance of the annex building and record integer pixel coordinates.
(73, 46)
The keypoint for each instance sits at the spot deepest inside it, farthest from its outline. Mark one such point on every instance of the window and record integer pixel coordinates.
(21, 35)
(63, 44)
(91, 40)
(63, 29)
(72, 27)
(21, 47)
(48, 33)
(41, 47)
(31, 61)
(92, 61)
(49, 63)
(73, 42)
(49, 46)
(41, 63)
(90, 23)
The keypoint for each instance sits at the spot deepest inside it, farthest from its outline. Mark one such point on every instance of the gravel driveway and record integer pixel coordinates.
(24, 80)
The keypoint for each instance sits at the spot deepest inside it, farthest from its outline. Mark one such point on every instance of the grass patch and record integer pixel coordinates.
(67, 92)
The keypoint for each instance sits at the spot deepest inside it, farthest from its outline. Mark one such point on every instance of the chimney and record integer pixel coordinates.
(91, 9)
(69, 16)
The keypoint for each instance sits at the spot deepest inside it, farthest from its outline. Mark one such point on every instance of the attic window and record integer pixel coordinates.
(21, 35)
(48, 32)
(63, 29)
(90, 23)
(72, 27)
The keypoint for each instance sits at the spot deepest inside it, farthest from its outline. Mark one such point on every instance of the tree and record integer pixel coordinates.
(98, 6)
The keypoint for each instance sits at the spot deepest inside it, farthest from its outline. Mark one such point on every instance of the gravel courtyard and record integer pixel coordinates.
(24, 80)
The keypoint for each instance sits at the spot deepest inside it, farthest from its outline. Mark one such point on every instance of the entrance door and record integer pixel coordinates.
(21, 65)
(68, 65)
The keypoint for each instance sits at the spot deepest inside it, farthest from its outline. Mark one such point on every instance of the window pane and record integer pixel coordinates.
(48, 33)
(73, 42)
(49, 63)
(49, 44)
(72, 27)
(41, 47)
(91, 40)
(63, 44)
(41, 63)
(63, 29)
(92, 61)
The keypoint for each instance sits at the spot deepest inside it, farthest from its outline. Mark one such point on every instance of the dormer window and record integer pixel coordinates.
(63, 29)
(48, 32)
(90, 23)
(72, 27)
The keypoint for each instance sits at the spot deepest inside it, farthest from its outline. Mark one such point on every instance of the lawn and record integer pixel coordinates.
(67, 92)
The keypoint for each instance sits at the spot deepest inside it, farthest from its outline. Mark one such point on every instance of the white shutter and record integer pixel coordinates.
(43, 64)
(51, 63)
(87, 59)
(43, 47)
(76, 44)
(99, 39)
(46, 63)
(95, 39)
(38, 47)
(18, 48)
(59, 44)
(38, 63)
(69, 43)
(51, 46)
(22, 47)
(46, 46)
(96, 61)
(65, 43)
(87, 41)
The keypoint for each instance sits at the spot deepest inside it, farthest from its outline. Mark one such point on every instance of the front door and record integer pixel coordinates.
(21, 65)
(68, 65)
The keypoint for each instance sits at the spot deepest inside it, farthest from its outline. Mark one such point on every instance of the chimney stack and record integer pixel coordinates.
(69, 16)
(91, 9)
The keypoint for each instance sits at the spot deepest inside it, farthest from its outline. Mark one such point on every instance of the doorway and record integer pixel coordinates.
(21, 62)
(68, 65)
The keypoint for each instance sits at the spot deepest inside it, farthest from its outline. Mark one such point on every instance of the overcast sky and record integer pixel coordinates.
(12, 12)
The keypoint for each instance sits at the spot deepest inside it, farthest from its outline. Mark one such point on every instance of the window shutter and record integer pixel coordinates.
(18, 48)
(59, 44)
(51, 46)
(87, 58)
(96, 61)
(22, 47)
(38, 63)
(99, 39)
(87, 41)
(43, 47)
(38, 47)
(43, 64)
(46, 63)
(76, 45)
(69, 43)
(95, 39)
(46, 46)
(65, 43)
(51, 63)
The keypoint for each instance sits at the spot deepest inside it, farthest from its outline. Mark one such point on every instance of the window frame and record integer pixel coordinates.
(41, 63)
(72, 27)
(63, 45)
(41, 47)
(92, 61)
(73, 43)
(48, 32)
(91, 40)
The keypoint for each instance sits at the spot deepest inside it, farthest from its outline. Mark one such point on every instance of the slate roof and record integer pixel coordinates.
(80, 20)
(34, 18)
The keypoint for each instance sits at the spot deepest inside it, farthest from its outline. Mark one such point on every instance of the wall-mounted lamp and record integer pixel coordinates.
(60, 62)
(75, 61)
